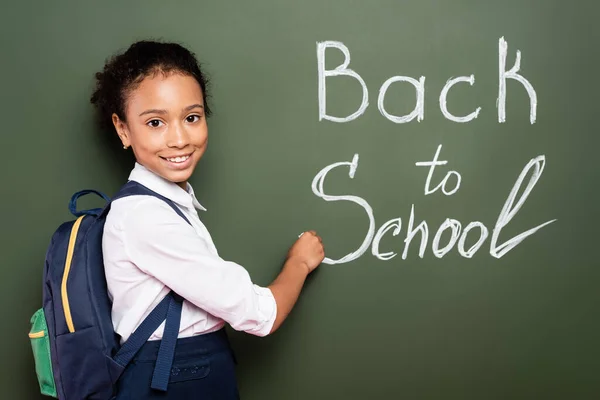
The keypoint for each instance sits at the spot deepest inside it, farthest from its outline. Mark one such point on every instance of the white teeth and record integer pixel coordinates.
(178, 159)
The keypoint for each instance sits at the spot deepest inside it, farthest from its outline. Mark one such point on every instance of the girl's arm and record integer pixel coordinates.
(306, 254)
(165, 247)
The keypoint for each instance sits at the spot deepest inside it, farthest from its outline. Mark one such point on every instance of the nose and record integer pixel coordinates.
(177, 136)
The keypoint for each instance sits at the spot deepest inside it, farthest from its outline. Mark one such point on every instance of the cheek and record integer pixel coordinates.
(204, 139)
(201, 137)
(146, 140)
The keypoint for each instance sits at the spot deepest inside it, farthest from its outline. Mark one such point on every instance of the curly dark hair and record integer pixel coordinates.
(122, 73)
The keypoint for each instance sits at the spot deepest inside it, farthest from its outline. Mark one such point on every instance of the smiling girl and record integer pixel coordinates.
(154, 95)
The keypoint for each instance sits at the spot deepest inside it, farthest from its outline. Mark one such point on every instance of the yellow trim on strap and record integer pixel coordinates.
(37, 335)
(63, 288)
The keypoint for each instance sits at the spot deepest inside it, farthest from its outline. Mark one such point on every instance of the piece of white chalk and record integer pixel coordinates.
(300, 235)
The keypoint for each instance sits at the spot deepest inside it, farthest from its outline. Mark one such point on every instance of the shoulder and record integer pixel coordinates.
(146, 226)
(140, 212)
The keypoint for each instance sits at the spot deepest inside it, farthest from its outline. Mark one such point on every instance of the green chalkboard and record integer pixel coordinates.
(476, 313)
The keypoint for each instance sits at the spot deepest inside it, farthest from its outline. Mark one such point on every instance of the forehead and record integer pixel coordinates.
(165, 91)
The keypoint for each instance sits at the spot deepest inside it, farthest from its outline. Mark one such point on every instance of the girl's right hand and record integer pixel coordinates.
(308, 250)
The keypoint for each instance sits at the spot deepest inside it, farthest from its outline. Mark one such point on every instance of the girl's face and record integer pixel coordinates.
(166, 126)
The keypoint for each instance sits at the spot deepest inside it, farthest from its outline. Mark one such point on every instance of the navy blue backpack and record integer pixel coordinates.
(77, 353)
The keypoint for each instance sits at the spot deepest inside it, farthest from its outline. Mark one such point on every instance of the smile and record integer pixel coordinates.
(178, 159)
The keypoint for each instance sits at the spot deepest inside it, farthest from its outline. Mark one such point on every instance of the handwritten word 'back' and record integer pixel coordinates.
(418, 112)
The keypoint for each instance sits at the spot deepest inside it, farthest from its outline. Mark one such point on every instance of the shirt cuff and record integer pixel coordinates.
(268, 308)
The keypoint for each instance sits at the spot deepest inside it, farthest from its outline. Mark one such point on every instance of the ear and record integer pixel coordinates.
(122, 131)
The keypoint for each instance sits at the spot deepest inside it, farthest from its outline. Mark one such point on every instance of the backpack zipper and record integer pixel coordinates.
(37, 335)
(63, 288)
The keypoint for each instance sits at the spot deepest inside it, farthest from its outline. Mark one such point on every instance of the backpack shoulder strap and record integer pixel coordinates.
(137, 339)
(133, 188)
(169, 308)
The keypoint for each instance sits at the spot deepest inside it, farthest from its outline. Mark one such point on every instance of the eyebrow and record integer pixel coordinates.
(157, 111)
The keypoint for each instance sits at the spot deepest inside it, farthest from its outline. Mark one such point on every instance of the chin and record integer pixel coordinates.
(179, 176)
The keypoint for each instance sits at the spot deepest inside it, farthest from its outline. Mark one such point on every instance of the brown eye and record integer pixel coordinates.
(155, 123)
(192, 118)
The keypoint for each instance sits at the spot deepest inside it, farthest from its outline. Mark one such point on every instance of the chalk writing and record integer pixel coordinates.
(419, 230)
(418, 112)
(432, 165)
(458, 237)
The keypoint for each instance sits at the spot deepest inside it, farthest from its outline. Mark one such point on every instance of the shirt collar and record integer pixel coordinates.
(160, 185)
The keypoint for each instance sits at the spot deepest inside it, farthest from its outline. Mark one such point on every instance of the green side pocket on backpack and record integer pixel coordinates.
(40, 344)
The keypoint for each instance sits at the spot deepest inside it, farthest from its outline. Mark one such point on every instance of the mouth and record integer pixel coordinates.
(179, 161)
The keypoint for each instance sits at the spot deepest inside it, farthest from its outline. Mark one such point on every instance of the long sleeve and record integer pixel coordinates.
(163, 245)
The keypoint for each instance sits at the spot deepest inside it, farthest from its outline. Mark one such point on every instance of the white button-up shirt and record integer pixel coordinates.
(148, 250)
